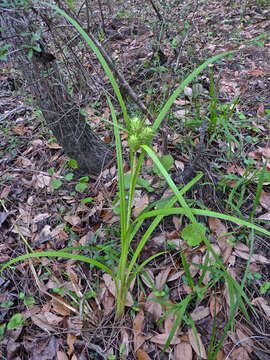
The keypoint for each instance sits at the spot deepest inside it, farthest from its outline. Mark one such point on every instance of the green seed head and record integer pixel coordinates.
(134, 142)
(146, 134)
(135, 125)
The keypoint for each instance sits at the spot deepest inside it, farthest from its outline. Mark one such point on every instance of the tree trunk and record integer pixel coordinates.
(60, 111)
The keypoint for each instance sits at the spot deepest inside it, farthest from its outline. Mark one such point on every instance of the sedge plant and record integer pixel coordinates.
(139, 139)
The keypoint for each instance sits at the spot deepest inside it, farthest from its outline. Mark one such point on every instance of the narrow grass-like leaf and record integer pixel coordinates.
(60, 254)
(170, 182)
(258, 190)
(208, 213)
(235, 305)
(186, 268)
(184, 83)
(141, 266)
(180, 312)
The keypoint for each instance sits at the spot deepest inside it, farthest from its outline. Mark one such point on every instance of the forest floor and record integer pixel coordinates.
(54, 308)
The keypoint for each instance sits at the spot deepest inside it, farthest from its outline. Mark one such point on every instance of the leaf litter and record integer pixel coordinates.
(34, 210)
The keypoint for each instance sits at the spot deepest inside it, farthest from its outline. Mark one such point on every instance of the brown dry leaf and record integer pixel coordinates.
(215, 305)
(40, 217)
(23, 162)
(254, 258)
(51, 318)
(70, 271)
(129, 300)
(107, 215)
(75, 324)
(41, 181)
(260, 301)
(54, 145)
(199, 350)
(142, 355)
(260, 111)
(139, 338)
(162, 338)
(150, 275)
(71, 339)
(172, 235)
(159, 240)
(125, 341)
(153, 307)
(22, 230)
(177, 223)
(40, 321)
(180, 114)
(60, 308)
(176, 275)
(241, 246)
(200, 313)
(227, 86)
(61, 355)
(246, 341)
(239, 354)
(3, 217)
(255, 154)
(265, 200)
(31, 312)
(265, 151)
(107, 302)
(196, 259)
(256, 72)
(183, 351)
(140, 203)
(62, 235)
(179, 165)
(19, 129)
(168, 323)
(180, 102)
(265, 216)
(72, 219)
(161, 278)
(219, 229)
(5, 192)
(221, 355)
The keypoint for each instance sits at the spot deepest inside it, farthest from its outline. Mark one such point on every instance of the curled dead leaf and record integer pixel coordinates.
(196, 343)
(139, 338)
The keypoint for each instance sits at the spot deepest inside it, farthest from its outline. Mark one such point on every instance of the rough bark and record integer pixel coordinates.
(60, 111)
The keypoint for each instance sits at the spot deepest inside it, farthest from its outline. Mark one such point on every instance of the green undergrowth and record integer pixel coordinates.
(125, 265)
